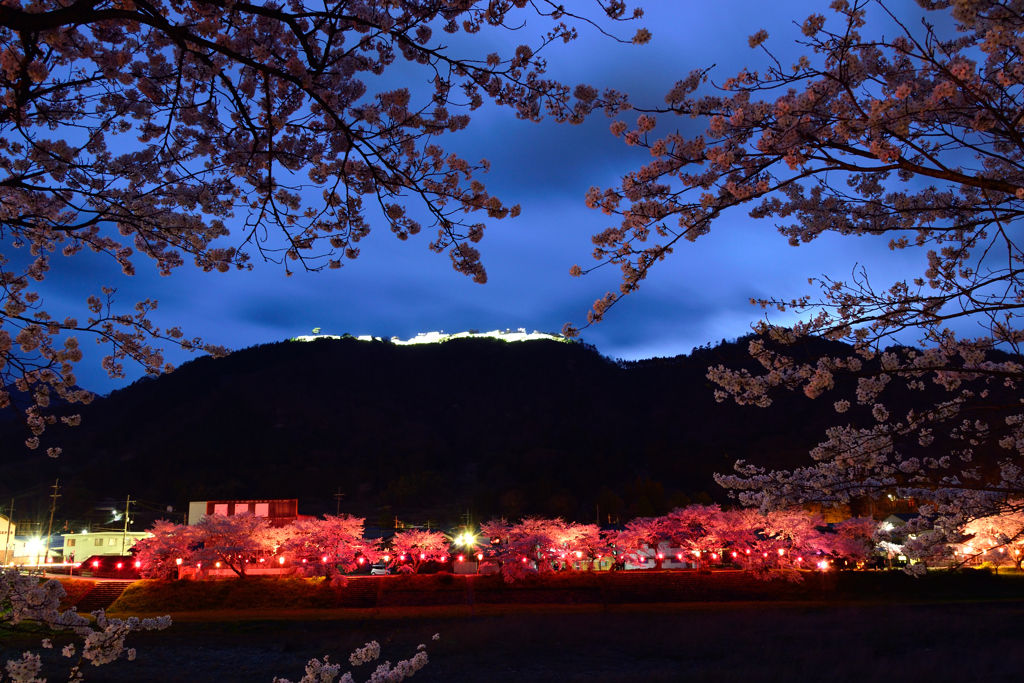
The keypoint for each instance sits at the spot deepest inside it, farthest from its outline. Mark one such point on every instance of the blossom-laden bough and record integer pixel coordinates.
(29, 606)
(325, 672)
(200, 129)
(900, 128)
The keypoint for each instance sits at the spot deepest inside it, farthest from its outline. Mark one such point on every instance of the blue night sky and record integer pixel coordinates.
(701, 294)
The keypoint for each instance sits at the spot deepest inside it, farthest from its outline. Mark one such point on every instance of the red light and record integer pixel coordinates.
(748, 551)
(444, 558)
(679, 556)
(138, 564)
(714, 556)
(661, 556)
(524, 559)
(462, 558)
(402, 556)
(360, 560)
(303, 560)
(95, 564)
(323, 559)
(422, 556)
(734, 553)
(479, 556)
(120, 564)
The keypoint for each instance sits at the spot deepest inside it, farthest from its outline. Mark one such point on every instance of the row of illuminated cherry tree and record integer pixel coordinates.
(776, 543)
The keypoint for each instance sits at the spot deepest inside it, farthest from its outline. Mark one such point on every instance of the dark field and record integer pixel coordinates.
(737, 642)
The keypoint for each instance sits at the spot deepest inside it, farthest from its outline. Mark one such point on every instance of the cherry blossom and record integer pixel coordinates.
(909, 133)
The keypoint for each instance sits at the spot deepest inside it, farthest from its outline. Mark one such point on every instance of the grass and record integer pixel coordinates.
(266, 595)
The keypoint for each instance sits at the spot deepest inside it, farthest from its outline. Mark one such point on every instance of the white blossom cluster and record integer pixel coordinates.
(24, 599)
(325, 672)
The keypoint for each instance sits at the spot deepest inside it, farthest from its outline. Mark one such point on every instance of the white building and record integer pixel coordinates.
(102, 542)
(6, 539)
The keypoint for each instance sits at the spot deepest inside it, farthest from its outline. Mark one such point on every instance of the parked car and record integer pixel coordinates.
(110, 567)
(379, 570)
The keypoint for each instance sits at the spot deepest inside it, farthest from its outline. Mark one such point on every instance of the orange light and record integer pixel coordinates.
(217, 565)
(178, 561)
(280, 560)
(782, 551)
(387, 558)
(262, 560)
(579, 554)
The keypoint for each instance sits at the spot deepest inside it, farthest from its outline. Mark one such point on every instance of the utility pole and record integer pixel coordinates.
(124, 537)
(338, 496)
(49, 529)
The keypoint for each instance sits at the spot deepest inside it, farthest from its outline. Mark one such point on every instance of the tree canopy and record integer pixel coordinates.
(885, 127)
(202, 129)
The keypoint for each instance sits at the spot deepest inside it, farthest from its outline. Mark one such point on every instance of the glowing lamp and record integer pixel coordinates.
(138, 564)
(714, 556)
(479, 556)
(697, 553)
(387, 558)
(661, 556)
(360, 560)
(280, 560)
(679, 556)
(323, 559)
(734, 553)
(766, 554)
(444, 558)
(262, 559)
(524, 559)
(304, 560)
(799, 559)
(95, 564)
(462, 558)
(579, 554)
(402, 556)
(120, 565)
(823, 565)
(178, 562)
(748, 551)
(217, 565)
(782, 551)
(423, 556)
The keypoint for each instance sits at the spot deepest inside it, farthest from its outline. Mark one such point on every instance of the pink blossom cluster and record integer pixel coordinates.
(774, 544)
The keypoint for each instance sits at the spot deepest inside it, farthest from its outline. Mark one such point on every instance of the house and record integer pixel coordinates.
(79, 546)
(7, 528)
(281, 512)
